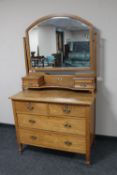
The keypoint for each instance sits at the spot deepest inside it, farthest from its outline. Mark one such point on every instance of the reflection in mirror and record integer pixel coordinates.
(60, 42)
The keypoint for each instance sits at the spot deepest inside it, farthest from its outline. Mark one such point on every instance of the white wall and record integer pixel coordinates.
(34, 41)
(80, 36)
(44, 39)
(16, 15)
(47, 40)
(67, 36)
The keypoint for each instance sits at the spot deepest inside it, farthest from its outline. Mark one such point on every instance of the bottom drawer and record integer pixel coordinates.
(66, 142)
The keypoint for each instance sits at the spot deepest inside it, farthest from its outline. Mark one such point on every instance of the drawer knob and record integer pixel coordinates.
(59, 79)
(68, 143)
(67, 125)
(33, 137)
(30, 107)
(32, 121)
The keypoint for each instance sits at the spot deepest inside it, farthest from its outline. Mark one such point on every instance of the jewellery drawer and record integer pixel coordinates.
(31, 107)
(32, 81)
(84, 83)
(59, 80)
(61, 124)
(54, 140)
(66, 109)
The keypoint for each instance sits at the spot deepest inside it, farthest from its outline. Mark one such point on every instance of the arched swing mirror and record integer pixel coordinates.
(60, 43)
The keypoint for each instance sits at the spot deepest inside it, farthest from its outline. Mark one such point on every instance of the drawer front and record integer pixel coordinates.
(67, 142)
(57, 80)
(30, 84)
(69, 110)
(60, 124)
(84, 84)
(31, 108)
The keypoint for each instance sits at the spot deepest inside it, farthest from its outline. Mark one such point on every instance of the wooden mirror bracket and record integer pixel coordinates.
(81, 79)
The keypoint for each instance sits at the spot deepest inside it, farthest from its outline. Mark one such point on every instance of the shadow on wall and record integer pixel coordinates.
(105, 117)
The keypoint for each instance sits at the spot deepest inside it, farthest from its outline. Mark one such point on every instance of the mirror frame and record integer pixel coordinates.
(29, 67)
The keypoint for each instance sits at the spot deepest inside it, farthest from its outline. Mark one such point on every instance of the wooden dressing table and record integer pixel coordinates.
(56, 107)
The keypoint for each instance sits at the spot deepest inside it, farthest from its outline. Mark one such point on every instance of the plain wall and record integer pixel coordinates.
(34, 41)
(17, 15)
(47, 40)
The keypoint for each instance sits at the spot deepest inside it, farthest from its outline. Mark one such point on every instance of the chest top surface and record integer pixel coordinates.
(55, 96)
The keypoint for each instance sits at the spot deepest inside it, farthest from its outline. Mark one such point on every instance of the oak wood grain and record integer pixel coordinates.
(55, 96)
(54, 140)
(50, 123)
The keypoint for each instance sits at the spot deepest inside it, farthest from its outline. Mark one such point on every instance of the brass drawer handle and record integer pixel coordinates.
(68, 143)
(32, 121)
(30, 107)
(67, 125)
(33, 137)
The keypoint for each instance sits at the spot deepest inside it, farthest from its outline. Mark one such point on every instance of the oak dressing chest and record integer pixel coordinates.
(56, 106)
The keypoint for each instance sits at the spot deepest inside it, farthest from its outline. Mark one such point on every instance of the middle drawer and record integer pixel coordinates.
(61, 124)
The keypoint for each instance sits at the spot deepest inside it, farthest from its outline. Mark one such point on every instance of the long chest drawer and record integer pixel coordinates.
(54, 140)
(59, 124)
(31, 107)
(66, 109)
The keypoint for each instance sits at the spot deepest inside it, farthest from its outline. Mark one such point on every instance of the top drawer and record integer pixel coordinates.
(66, 109)
(31, 107)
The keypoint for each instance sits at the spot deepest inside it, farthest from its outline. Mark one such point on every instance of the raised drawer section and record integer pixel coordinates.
(69, 110)
(54, 140)
(31, 107)
(60, 124)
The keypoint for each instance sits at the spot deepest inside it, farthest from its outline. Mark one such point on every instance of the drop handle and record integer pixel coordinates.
(32, 121)
(67, 125)
(30, 107)
(33, 137)
(68, 143)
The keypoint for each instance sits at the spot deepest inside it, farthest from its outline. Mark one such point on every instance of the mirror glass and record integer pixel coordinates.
(59, 42)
